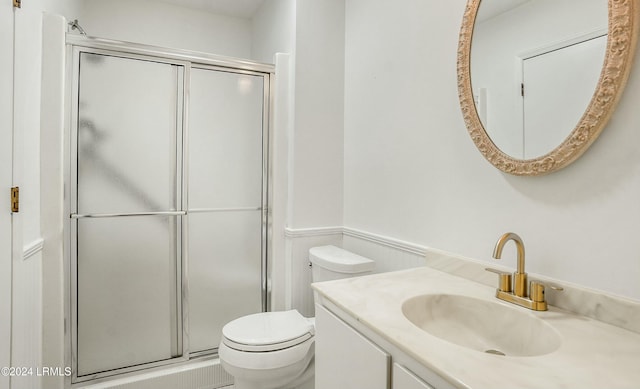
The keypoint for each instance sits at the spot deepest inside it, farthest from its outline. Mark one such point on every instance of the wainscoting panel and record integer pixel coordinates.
(389, 254)
(298, 242)
(26, 349)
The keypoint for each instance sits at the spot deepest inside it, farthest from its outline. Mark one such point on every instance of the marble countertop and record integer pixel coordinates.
(593, 354)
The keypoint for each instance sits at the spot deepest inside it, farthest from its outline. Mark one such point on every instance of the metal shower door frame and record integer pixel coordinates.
(186, 59)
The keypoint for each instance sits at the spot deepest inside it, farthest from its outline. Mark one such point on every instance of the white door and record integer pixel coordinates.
(6, 97)
(558, 86)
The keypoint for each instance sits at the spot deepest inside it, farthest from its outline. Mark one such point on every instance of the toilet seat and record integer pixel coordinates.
(268, 331)
(267, 347)
(284, 361)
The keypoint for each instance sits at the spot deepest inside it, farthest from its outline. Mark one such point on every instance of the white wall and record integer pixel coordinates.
(413, 173)
(316, 142)
(307, 135)
(308, 142)
(70, 9)
(167, 25)
(273, 30)
(319, 82)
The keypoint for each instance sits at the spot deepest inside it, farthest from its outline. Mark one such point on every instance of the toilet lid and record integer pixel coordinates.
(267, 331)
(339, 260)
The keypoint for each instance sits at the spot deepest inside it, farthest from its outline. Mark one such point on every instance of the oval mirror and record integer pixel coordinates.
(538, 79)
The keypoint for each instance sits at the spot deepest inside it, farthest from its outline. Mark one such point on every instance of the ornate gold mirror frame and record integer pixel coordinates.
(621, 42)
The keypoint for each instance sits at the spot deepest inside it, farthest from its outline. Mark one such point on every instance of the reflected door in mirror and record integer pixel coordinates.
(510, 34)
(572, 74)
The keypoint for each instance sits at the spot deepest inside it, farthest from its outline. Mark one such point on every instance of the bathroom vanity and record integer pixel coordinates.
(351, 359)
(425, 328)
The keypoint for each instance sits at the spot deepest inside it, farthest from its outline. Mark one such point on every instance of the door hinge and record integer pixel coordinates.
(522, 89)
(15, 199)
(17, 3)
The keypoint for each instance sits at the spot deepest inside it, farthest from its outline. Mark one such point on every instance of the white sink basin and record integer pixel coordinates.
(482, 325)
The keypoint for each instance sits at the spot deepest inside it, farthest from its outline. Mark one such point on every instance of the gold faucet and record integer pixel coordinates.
(516, 292)
(520, 277)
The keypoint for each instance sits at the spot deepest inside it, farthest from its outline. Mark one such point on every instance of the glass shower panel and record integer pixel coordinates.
(225, 223)
(225, 139)
(127, 118)
(224, 272)
(127, 307)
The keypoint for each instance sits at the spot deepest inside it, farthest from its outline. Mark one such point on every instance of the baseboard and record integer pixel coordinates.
(204, 374)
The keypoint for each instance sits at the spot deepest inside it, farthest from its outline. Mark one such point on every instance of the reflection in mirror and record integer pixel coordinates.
(537, 146)
(535, 65)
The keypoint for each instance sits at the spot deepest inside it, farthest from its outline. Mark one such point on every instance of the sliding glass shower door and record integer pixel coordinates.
(168, 190)
(127, 200)
(225, 201)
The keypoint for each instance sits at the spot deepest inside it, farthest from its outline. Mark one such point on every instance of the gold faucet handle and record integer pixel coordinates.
(504, 284)
(536, 290)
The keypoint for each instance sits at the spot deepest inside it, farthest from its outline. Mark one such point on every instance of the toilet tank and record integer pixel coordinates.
(333, 263)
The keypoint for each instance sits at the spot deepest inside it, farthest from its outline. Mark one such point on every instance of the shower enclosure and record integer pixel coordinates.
(168, 199)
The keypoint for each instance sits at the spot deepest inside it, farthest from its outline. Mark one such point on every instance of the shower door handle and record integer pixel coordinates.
(101, 215)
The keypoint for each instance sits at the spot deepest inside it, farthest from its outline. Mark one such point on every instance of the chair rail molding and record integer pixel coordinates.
(32, 248)
(356, 233)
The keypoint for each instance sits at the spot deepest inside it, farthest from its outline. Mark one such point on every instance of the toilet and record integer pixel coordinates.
(275, 350)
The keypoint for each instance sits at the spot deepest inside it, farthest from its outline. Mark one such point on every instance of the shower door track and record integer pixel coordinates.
(80, 44)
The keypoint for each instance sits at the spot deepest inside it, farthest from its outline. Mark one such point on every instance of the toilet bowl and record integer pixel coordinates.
(267, 350)
(275, 350)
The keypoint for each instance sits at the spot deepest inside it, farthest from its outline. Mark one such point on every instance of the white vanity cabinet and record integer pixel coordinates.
(345, 359)
(404, 379)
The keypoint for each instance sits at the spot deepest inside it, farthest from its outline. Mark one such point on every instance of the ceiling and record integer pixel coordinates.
(238, 8)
